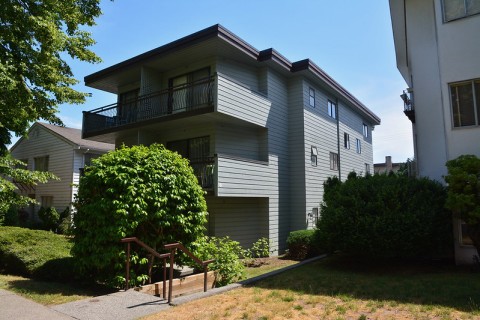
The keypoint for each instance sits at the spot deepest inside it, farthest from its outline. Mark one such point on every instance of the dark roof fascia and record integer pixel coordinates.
(274, 55)
(307, 64)
(187, 41)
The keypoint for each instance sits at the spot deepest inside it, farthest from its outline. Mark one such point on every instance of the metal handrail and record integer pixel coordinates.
(172, 247)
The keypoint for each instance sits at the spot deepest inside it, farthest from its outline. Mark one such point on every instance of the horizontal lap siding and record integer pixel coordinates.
(296, 154)
(239, 141)
(352, 123)
(238, 101)
(321, 132)
(60, 163)
(242, 219)
(277, 124)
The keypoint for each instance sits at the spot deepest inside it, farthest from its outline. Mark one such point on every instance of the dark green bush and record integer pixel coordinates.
(32, 253)
(385, 216)
(146, 192)
(300, 244)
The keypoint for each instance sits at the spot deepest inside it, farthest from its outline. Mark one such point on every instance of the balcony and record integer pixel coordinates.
(408, 107)
(186, 98)
(204, 170)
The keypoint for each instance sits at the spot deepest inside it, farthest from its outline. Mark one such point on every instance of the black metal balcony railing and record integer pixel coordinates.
(204, 171)
(182, 98)
(408, 106)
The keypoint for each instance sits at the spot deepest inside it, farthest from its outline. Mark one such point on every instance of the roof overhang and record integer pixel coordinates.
(399, 28)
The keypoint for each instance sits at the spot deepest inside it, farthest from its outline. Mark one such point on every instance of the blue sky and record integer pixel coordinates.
(351, 40)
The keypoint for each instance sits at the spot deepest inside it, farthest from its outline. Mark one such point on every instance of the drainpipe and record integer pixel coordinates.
(338, 140)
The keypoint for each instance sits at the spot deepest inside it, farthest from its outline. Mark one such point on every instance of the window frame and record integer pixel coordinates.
(314, 156)
(464, 15)
(45, 164)
(311, 97)
(359, 146)
(365, 130)
(346, 140)
(332, 109)
(334, 161)
(46, 201)
(367, 168)
(456, 106)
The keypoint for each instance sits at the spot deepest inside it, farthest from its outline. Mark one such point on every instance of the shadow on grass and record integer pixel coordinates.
(425, 283)
(39, 287)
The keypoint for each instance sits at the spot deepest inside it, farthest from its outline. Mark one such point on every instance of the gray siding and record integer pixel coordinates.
(242, 219)
(296, 149)
(320, 132)
(247, 142)
(237, 100)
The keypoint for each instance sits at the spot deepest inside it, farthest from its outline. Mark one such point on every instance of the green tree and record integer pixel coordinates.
(464, 193)
(146, 192)
(11, 172)
(35, 36)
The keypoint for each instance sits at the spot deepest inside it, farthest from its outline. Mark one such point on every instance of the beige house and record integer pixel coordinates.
(437, 46)
(63, 152)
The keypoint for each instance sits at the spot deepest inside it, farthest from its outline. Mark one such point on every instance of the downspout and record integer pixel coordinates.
(338, 140)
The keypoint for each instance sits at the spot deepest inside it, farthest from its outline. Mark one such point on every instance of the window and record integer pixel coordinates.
(332, 109)
(465, 100)
(311, 93)
(367, 168)
(315, 216)
(189, 91)
(195, 149)
(41, 163)
(346, 140)
(456, 9)
(359, 146)
(464, 237)
(365, 130)
(314, 156)
(333, 161)
(46, 201)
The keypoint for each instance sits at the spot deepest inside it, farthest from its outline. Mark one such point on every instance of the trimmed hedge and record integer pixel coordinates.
(35, 253)
(301, 244)
(386, 217)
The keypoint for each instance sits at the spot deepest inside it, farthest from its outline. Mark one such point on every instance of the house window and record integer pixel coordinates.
(332, 109)
(365, 130)
(315, 216)
(367, 168)
(189, 91)
(334, 161)
(314, 156)
(456, 9)
(465, 100)
(359, 146)
(46, 201)
(346, 140)
(465, 239)
(127, 106)
(311, 93)
(41, 163)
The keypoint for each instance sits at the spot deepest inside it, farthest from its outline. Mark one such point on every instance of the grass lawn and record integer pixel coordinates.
(49, 293)
(342, 288)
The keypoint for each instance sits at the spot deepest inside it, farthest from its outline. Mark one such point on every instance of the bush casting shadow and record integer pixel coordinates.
(416, 283)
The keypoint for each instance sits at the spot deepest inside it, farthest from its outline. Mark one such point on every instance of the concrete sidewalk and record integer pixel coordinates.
(13, 306)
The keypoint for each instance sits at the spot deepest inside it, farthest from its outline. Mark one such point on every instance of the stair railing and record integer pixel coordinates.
(172, 247)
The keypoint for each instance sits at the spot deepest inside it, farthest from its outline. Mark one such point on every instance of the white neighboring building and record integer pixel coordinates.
(437, 44)
(63, 152)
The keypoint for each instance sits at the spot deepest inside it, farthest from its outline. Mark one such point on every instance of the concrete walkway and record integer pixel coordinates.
(123, 305)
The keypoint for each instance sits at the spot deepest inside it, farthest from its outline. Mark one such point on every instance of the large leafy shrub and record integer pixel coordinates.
(464, 193)
(146, 192)
(385, 216)
(35, 253)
